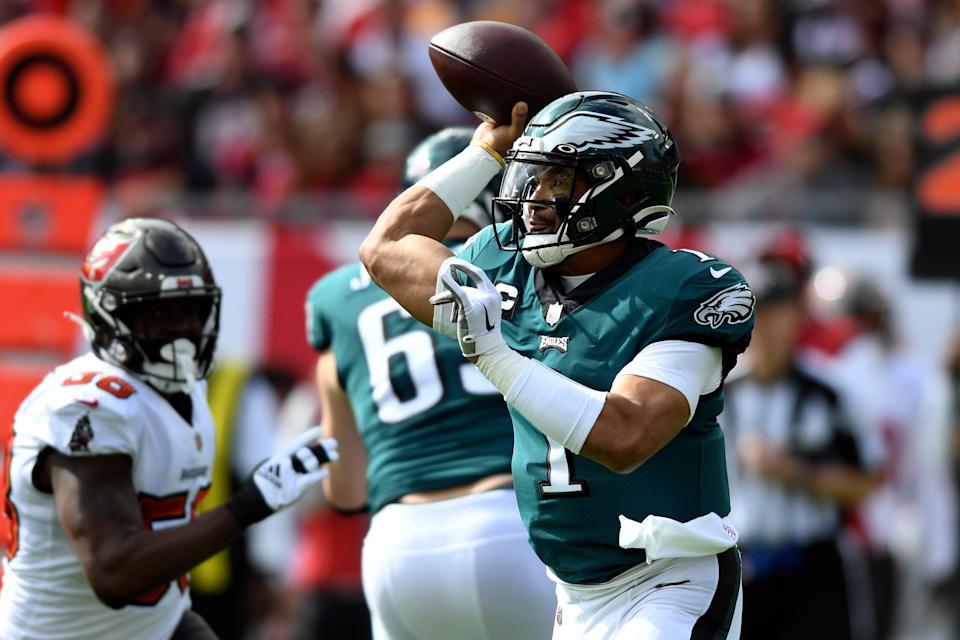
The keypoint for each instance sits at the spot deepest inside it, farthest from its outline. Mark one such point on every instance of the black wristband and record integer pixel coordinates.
(247, 505)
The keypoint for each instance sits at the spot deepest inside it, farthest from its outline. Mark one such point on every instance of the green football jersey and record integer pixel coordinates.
(428, 417)
(571, 504)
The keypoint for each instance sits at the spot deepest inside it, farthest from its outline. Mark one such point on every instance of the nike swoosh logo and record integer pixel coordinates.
(486, 317)
(90, 403)
(670, 584)
(719, 273)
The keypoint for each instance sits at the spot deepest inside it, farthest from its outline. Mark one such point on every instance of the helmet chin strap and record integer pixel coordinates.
(177, 375)
(650, 221)
(541, 256)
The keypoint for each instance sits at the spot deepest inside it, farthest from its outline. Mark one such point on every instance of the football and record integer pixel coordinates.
(489, 66)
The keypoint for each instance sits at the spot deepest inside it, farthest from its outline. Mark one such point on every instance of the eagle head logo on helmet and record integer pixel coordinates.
(623, 162)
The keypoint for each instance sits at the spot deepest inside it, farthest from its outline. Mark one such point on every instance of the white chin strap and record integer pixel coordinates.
(179, 373)
(651, 221)
(541, 256)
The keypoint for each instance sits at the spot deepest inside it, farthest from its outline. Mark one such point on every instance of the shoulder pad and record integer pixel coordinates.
(86, 410)
(327, 293)
(713, 305)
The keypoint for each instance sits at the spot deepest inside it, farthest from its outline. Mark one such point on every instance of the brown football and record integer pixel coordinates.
(489, 66)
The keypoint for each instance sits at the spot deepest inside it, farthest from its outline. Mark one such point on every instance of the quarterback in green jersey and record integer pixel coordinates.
(609, 348)
(426, 443)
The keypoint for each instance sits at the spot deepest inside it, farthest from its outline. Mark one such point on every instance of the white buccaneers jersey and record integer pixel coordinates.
(84, 408)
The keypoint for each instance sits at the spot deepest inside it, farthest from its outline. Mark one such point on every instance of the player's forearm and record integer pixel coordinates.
(124, 567)
(415, 222)
(619, 429)
(346, 486)
(124, 561)
(629, 431)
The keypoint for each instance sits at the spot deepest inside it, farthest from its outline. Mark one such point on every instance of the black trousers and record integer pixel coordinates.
(802, 599)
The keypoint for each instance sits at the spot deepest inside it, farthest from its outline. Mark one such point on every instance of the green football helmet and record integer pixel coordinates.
(602, 161)
(437, 149)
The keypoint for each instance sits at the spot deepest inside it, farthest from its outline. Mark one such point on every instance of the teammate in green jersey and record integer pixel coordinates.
(610, 349)
(426, 443)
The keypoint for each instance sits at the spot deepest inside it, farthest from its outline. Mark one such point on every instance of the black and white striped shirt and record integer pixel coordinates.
(802, 415)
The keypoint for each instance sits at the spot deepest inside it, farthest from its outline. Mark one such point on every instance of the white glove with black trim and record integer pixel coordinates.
(280, 481)
(444, 315)
(478, 306)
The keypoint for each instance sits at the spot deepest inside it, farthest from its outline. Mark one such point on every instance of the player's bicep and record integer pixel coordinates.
(403, 251)
(664, 407)
(96, 502)
(639, 417)
(655, 395)
(346, 486)
(691, 368)
(414, 278)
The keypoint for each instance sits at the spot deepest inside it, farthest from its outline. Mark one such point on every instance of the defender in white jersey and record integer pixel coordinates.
(113, 451)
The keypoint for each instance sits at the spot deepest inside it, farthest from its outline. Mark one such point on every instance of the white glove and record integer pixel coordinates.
(279, 481)
(478, 320)
(283, 478)
(445, 315)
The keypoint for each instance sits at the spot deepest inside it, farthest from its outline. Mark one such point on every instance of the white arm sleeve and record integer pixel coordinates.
(691, 368)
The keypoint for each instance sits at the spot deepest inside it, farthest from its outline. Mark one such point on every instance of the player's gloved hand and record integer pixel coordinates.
(279, 481)
(478, 322)
(445, 314)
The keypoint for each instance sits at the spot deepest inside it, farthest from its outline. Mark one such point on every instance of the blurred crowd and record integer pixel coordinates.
(286, 96)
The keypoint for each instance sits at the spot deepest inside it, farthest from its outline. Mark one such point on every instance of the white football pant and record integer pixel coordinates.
(455, 569)
(669, 599)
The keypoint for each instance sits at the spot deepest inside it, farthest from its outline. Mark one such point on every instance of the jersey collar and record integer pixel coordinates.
(549, 286)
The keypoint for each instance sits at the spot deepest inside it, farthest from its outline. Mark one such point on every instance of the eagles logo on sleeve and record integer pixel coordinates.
(732, 305)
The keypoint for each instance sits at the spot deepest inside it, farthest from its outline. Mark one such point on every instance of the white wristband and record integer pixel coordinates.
(459, 180)
(562, 409)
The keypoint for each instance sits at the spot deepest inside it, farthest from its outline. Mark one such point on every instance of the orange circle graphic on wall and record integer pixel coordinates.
(56, 89)
(941, 120)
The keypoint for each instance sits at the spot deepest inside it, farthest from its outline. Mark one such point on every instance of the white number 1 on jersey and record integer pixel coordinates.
(560, 480)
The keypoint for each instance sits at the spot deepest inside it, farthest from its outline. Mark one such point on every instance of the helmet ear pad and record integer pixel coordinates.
(111, 338)
(619, 204)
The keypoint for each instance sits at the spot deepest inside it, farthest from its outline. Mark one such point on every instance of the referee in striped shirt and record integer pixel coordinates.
(795, 467)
